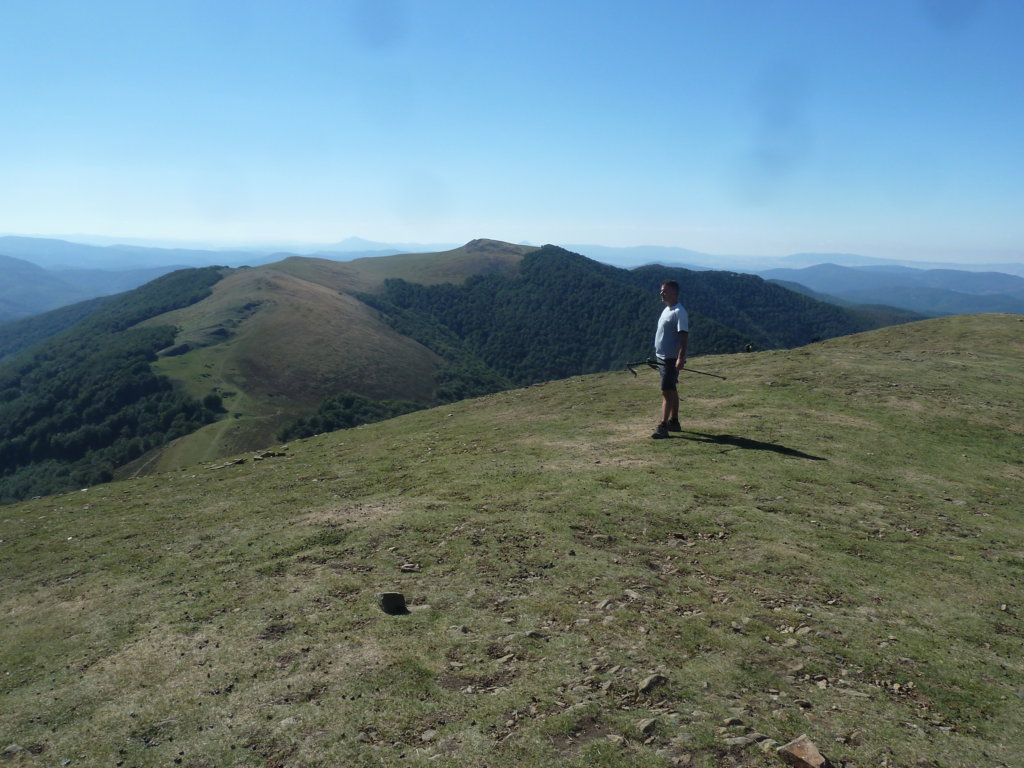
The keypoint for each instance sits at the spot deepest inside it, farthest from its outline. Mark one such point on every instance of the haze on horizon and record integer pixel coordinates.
(723, 126)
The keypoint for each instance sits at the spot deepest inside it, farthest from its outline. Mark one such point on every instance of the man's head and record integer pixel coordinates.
(669, 292)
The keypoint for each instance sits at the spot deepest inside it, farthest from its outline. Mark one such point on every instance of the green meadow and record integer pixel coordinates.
(832, 547)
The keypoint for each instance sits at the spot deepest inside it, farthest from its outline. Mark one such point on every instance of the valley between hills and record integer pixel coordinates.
(831, 547)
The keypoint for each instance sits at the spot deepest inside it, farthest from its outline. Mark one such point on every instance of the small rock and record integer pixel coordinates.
(801, 753)
(768, 745)
(647, 725)
(428, 735)
(730, 721)
(650, 683)
(392, 603)
(409, 568)
(13, 750)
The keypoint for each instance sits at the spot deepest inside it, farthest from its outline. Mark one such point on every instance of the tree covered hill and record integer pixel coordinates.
(309, 345)
(85, 401)
(17, 335)
(563, 314)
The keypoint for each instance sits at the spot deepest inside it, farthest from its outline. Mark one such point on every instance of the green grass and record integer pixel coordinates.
(833, 547)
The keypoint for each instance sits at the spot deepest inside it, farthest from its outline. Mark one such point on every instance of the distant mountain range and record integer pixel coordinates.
(928, 291)
(66, 272)
(28, 289)
(135, 382)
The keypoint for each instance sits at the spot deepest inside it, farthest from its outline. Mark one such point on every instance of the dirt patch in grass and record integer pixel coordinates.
(587, 730)
(356, 511)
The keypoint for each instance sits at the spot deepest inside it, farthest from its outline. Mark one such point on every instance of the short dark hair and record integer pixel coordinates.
(670, 284)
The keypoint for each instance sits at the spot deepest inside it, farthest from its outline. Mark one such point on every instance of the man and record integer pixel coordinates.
(670, 342)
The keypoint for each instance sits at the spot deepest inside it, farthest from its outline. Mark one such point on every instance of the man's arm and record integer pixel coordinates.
(684, 340)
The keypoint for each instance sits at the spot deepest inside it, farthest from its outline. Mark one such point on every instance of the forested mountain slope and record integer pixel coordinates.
(86, 401)
(562, 314)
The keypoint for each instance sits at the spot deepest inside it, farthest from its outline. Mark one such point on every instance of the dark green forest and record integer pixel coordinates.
(74, 409)
(16, 335)
(565, 315)
(345, 412)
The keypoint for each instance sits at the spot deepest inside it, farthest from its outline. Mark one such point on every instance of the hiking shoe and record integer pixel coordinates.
(674, 426)
(661, 432)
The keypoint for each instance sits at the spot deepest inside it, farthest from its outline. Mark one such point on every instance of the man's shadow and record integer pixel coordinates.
(747, 443)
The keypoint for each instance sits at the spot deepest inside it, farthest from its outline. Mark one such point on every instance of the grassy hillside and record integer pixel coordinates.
(275, 341)
(477, 257)
(274, 346)
(833, 547)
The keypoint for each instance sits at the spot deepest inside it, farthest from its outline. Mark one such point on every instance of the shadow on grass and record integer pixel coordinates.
(747, 443)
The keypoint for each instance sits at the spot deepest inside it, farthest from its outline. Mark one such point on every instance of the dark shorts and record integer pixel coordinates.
(669, 375)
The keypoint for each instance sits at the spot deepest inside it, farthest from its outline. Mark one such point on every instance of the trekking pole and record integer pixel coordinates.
(654, 363)
(704, 373)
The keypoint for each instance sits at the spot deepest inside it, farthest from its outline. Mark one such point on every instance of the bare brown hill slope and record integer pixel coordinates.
(274, 341)
(477, 257)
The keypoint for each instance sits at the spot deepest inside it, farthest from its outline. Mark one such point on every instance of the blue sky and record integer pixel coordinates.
(891, 129)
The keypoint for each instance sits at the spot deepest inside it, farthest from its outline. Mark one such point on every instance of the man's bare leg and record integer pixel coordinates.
(669, 405)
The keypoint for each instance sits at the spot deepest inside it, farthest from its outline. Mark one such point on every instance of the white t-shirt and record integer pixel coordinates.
(672, 322)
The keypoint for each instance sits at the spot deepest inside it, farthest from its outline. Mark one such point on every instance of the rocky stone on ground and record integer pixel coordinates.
(392, 603)
(801, 753)
(651, 682)
(646, 725)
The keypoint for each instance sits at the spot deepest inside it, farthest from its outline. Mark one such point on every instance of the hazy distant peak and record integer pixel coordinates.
(485, 245)
(357, 244)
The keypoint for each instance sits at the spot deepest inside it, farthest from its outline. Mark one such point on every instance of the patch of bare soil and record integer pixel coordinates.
(350, 512)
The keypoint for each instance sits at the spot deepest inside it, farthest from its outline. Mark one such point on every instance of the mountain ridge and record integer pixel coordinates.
(932, 291)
